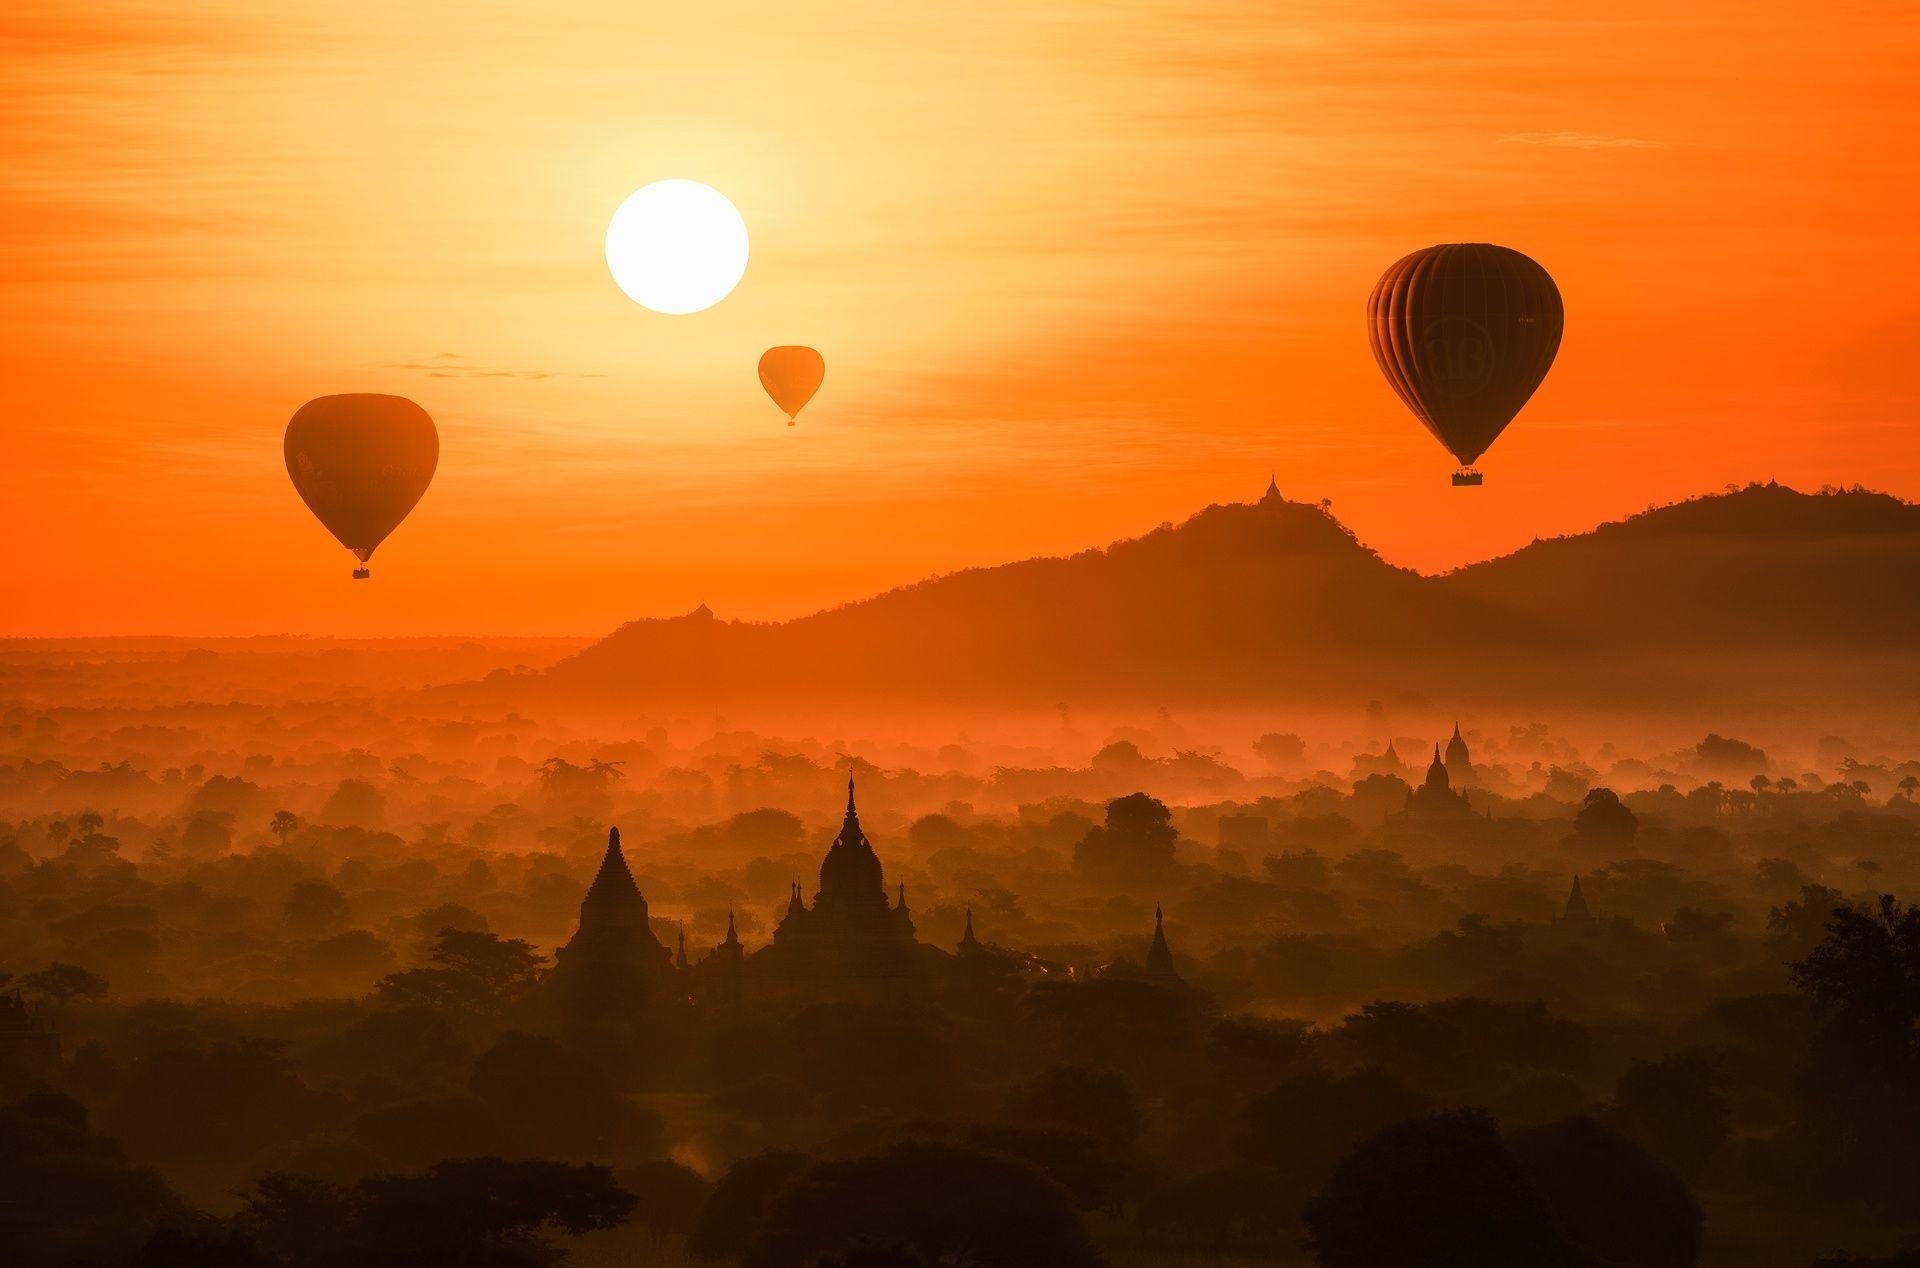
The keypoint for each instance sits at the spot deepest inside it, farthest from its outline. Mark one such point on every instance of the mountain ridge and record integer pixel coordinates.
(1278, 598)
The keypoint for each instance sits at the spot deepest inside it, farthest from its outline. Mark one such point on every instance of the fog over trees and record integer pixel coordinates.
(312, 970)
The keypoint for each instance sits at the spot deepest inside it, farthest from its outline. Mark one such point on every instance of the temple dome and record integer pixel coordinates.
(850, 875)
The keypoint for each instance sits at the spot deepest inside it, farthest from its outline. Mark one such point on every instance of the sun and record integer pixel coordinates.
(677, 246)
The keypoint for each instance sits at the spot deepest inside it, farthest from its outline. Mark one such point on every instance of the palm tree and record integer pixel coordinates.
(1908, 784)
(285, 824)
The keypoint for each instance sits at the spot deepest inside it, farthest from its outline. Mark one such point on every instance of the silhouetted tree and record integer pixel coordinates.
(1088, 1169)
(739, 1203)
(1611, 1196)
(204, 1243)
(552, 1101)
(225, 1101)
(947, 1205)
(1280, 750)
(669, 1197)
(1253, 1056)
(1676, 1107)
(1798, 925)
(476, 1211)
(61, 984)
(871, 1255)
(1437, 1192)
(1079, 1098)
(315, 907)
(415, 1134)
(1134, 846)
(1298, 1132)
(1603, 820)
(285, 824)
(356, 803)
(67, 1195)
(472, 972)
(1860, 1090)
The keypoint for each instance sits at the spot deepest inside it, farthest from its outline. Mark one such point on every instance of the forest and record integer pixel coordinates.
(1514, 992)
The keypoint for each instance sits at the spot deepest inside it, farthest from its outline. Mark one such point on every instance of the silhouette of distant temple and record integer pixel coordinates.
(1459, 763)
(1387, 763)
(613, 964)
(1576, 915)
(1160, 955)
(1435, 799)
(851, 943)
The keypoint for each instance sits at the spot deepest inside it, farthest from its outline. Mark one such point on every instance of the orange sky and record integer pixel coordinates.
(1077, 268)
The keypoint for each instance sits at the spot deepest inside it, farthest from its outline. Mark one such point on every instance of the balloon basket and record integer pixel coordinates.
(361, 574)
(1466, 477)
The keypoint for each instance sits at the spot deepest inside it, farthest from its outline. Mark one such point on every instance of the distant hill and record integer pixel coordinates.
(1764, 569)
(1276, 599)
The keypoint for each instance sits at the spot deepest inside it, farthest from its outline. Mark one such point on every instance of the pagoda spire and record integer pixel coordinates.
(1577, 911)
(1160, 955)
(968, 943)
(613, 888)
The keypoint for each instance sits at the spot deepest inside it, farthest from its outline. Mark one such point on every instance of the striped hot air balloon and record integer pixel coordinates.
(1465, 332)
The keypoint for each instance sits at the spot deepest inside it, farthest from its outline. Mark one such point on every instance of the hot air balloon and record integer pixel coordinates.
(791, 376)
(1465, 332)
(360, 462)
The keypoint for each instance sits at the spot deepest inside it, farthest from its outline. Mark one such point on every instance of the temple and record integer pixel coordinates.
(1160, 955)
(1435, 798)
(853, 942)
(613, 964)
(1459, 762)
(1576, 915)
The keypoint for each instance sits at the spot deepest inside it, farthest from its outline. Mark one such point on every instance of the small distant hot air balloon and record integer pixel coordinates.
(1465, 332)
(360, 462)
(791, 376)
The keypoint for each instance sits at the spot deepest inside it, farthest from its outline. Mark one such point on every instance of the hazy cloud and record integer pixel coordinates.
(451, 365)
(1581, 141)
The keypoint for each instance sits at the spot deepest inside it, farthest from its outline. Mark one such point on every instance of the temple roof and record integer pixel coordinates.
(850, 874)
(613, 883)
(1160, 955)
(614, 912)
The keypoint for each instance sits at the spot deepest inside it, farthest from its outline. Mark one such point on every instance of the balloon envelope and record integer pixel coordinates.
(791, 376)
(360, 462)
(1465, 332)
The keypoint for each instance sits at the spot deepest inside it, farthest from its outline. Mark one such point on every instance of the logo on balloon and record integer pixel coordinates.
(1456, 357)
